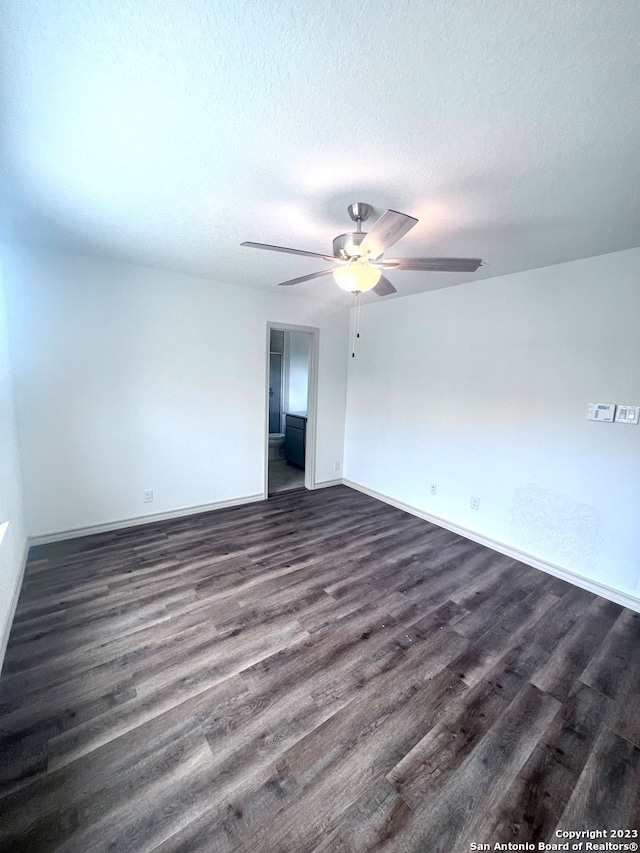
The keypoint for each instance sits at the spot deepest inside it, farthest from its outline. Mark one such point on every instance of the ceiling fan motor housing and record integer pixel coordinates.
(347, 246)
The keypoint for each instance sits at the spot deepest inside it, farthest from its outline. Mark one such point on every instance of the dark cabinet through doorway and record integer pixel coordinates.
(295, 440)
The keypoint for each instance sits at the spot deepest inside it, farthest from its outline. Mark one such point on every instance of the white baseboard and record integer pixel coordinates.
(76, 532)
(15, 595)
(324, 484)
(615, 595)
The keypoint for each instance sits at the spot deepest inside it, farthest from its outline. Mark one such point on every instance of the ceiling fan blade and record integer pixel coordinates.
(286, 250)
(433, 264)
(304, 278)
(384, 287)
(385, 232)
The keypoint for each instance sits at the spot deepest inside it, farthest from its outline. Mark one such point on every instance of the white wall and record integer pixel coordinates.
(482, 389)
(12, 527)
(297, 361)
(130, 378)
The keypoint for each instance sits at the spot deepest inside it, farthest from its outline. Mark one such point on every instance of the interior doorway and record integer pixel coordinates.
(290, 422)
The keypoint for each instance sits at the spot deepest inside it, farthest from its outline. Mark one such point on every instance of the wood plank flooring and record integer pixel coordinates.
(317, 672)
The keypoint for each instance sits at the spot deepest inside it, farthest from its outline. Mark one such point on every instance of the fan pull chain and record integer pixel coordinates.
(353, 328)
(356, 323)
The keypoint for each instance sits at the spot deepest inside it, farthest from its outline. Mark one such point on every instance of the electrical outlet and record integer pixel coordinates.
(336, 465)
(147, 496)
(475, 503)
(433, 489)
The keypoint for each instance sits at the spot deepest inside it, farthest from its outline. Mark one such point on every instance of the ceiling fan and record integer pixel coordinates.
(357, 255)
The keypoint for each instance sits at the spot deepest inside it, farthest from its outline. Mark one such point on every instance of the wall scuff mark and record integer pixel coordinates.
(554, 525)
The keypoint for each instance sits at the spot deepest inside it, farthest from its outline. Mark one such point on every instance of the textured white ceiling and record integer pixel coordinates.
(169, 132)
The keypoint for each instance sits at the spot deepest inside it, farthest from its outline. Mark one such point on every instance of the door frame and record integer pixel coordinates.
(312, 403)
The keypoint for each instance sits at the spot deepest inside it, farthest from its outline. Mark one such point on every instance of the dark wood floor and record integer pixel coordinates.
(318, 672)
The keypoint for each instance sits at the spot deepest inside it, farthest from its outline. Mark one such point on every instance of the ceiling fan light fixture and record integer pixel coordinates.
(356, 277)
(358, 254)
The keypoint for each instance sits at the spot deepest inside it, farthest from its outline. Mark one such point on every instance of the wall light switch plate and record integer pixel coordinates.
(600, 411)
(627, 414)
